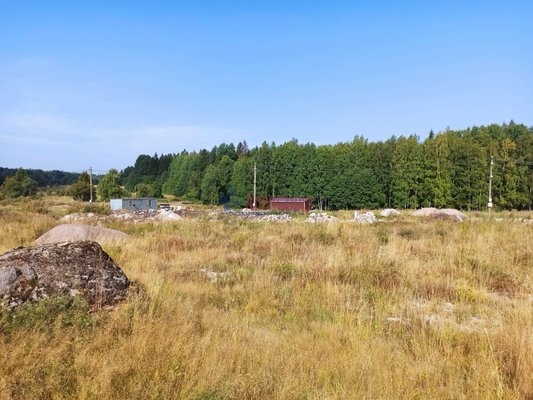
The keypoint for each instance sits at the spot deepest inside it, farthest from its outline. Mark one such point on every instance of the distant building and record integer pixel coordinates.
(301, 204)
(134, 203)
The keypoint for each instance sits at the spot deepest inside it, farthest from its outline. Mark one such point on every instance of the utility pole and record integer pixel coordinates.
(255, 184)
(91, 183)
(489, 205)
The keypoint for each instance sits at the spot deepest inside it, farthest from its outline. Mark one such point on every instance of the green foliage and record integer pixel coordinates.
(356, 189)
(43, 178)
(216, 186)
(241, 181)
(284, 271)
(109, 186)
(469, 172)
(149, 170)
(143, 190)
(407, 173)
(46, 315)
(437, 183)
(81, 190)
(210, 186)
(448, 169)
(19, 185)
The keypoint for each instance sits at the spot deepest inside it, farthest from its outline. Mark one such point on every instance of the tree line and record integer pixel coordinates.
(447, 169)
(42, 178)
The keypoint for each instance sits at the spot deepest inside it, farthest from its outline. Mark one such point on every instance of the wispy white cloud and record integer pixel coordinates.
(36, 128)
(36, 122)
(71, 145)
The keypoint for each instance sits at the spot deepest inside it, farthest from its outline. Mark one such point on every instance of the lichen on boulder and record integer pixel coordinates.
(80, 268)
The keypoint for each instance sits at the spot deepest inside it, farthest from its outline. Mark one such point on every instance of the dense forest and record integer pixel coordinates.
(447, 169)
(43, 178)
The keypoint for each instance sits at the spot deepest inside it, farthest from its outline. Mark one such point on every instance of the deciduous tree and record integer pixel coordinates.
(109, 186)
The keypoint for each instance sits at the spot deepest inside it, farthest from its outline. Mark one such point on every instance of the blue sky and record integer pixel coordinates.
(96, 83)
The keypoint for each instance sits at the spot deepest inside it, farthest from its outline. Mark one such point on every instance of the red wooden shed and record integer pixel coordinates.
(301, 204)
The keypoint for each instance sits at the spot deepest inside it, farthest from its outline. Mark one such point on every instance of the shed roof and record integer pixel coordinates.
(289, 199)
(136, 198)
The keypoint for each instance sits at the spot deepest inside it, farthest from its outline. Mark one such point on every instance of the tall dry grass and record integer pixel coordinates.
(398, 310)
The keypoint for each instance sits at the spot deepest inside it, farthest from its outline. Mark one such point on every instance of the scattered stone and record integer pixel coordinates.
(320, 217)
(446, 315)
(389, 212)
(73, 217)
(275, 218)
(215, 276)
(251, 215)
(75, 232)
(78, 268)
(364, 218)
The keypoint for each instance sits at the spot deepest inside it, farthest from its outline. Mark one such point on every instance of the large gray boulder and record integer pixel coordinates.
(389, 212)
(74, 232)
(70, 268)
(445, 214)
(425, 212)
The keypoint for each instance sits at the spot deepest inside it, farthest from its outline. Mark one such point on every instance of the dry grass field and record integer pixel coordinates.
(234, 309)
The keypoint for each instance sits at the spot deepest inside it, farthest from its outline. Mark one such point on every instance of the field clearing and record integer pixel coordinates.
(235, 309)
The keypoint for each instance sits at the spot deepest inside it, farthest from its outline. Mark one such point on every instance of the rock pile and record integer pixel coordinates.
(70, 218)
(251, 215)
(364, 218)
(167, 215)
(275, 218)
(163, 214)
(70, 268)
(320, 217)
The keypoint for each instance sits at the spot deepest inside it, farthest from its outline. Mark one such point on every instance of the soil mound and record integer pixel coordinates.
(71, 268)
(74, 232)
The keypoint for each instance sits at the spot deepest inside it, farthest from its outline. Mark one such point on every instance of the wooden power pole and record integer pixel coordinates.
(255, 185)
(91, 183)
(489, 204)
